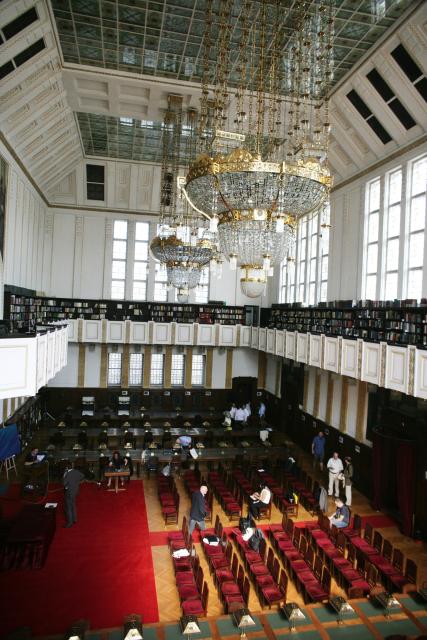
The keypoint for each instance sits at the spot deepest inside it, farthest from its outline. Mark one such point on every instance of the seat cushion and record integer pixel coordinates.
(192, 607)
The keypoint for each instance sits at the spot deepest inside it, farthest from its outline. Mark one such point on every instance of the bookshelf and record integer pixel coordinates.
(401, 322)
(25, 310)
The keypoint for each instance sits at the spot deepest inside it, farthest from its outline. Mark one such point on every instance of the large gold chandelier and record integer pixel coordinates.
(182, 244)
(263, 128)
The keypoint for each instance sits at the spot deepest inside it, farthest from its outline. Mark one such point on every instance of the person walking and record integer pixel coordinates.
(335, 468)
(348, 479)
(72, 479)
(318, 449)
(198, 510)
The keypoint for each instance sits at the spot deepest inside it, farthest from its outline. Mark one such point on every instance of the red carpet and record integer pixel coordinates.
(379, 521)
(101, 569)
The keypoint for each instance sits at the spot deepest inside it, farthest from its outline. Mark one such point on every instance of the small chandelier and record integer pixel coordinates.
(181, 244)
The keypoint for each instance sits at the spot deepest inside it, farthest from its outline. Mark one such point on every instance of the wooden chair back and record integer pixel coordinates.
(303, 546)
(289, 527)
(228, 552)
(199, 579)
(296, 537)
(326, 581)
(351, 555)
(387, 550)
(270, 559)
(283, 583)
(309, 557)
(341, 541)
(411, 571)
(284, 520)
(216, 525)
(240, 578)
(317, 567)
(397, 560)
(262, 549)
(234, 565)
(367, 534)
(357, 523)
(275, 570)
(378, 541)
(245, 591)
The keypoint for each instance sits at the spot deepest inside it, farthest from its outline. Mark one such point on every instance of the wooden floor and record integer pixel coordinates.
(167, 596)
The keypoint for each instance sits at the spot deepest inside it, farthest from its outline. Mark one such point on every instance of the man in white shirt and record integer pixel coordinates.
(335, 468)
(240, 417)
(261, 410)
(259, 499)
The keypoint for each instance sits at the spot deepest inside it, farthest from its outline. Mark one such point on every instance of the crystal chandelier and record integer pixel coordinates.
(181, 244)
(263, 128)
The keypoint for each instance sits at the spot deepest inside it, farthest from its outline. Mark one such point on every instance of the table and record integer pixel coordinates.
(122, 473)
(28, 541)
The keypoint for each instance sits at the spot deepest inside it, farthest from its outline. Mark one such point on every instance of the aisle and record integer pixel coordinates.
(101, 569)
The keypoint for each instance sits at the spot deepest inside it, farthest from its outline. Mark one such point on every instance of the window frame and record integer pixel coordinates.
(196, 369)
(139, 369)
(114, 355)
(157, 381)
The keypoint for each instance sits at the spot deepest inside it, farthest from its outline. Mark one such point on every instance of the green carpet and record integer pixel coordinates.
(227, 627)
(327, 614)
(370, 609)
(413, 603)
(278, 620)
(350, 632)
(150, 634)
(173, 631)
(395, 627)
(302, 635)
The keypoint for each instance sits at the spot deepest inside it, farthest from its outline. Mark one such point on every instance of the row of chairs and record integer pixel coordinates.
(192, 480)
(169, 498)
(312, 578)
(269, 580)
(394, 574)
(242, 483)
(231, 502)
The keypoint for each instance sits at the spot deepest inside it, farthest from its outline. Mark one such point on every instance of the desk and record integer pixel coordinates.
(28, 541)
(122, 473)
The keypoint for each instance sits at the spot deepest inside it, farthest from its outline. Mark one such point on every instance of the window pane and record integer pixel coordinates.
(156, 370)
(395, 187)
(160, 292)
(419, 176)
(313, 270)
(372, 258)
(140, 270)
(373, 221)
(371, 283)
(118, 270)
(325, 268)
(198, 370)
(177, 372)
(323, 291)
(302, 249)
(374, 196)
(141, 251)
(114, 368)
(418, 213)
(161, 274)
(119, 249)
(393, 221)
(391, 286)
(135, 368)
(139, 290)
(311, 293)
(201, 295)
(415, 278)
(313, 247)
(142, 231)
(117, 289)
(120, 229)
(416, 250)
(392, 254)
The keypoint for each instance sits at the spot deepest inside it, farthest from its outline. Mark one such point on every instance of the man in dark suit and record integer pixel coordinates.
(198, 509)
(72, 480)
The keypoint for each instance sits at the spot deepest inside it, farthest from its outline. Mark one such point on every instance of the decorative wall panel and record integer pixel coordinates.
(92, 331)
(315, 355)
(206, 335)
(396, 373)
(184, 333)
(115, 331)
(302, 343)
(280, 343)
(41, 360)
(227, 335)
(420, 386)
(262, 339)
(255, 337)
(139, 333)
(349, 354)
(270, 340)
(291, 344)
(162, 332)
(18, 373)
(331, 360)
(371, 361)
(245, 336)
(72, 330)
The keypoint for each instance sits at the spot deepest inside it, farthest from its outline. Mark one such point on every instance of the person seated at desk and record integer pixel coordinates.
(32, 457)
(184, 442)
(240, 417)
(341, 517)
(259, 499)
(116, 464)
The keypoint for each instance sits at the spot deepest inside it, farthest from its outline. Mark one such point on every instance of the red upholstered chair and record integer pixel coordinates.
(403, 583)
(188, 576)
(197, 607)
(179, 535)
(318, 592)
(269, 579)
(189, 591)
(276, 593)
(225, 573)
(355, 529)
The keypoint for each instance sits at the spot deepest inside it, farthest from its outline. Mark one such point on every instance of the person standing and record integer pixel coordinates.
(261, 410)
(335, 467)
(71, 481)
(348, 479)
(318, 449)
(198, 509)
(239, 418)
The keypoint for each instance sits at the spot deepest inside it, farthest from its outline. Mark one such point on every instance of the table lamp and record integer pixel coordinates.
(77, 630)
(292, 613)
(189, 626)
(388, 601)
(341, 606)
(132, 629)
(243, 619)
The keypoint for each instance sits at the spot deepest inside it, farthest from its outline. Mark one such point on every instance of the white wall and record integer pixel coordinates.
(26, 227)
(245, 363)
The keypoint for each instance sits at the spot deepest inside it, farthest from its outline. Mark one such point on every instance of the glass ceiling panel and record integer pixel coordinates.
(165, 38)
